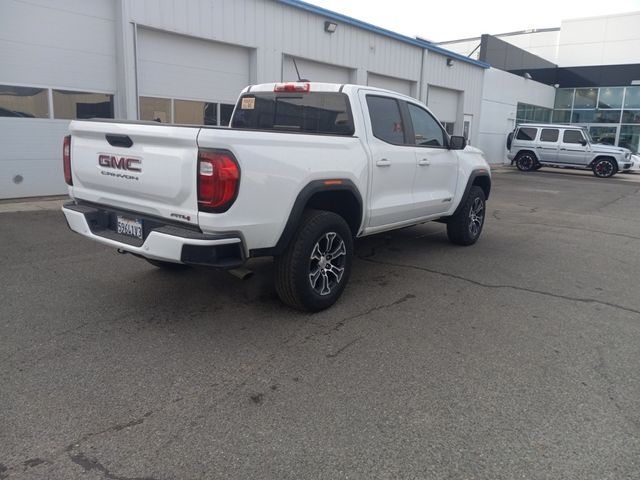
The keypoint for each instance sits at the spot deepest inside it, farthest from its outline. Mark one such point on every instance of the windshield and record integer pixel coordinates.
(588, 135)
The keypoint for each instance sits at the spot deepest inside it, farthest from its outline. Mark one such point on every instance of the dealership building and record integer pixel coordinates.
(186, 62)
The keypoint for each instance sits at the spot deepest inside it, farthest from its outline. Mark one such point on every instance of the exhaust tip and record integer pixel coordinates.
(241, 273)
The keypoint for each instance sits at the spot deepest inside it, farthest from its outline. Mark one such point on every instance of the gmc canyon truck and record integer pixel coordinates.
(302, 170)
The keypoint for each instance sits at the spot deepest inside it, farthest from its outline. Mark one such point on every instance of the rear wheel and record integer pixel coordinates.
(465, 227)
(526, 162)
(604, 167)
(314, 270)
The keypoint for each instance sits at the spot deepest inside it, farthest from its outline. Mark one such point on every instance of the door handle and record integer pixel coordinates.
(383, 162)
(563, 149)
(424, 162)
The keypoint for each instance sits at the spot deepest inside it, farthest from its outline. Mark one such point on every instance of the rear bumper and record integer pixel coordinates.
(161, 241)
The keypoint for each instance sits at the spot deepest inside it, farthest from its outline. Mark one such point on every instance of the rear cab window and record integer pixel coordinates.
(528, 134)
(326, 113)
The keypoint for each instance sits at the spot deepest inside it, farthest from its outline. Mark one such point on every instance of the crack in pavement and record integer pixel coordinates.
(496, 215)
(343, 348)
(88, 464)
(502, 286)
(337, 326)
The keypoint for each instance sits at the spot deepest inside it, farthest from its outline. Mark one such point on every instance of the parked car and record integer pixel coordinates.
(536, 145)
(303, 169)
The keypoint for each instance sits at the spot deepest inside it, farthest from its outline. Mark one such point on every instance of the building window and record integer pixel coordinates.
(585, 98)
(630, 137)
(527, 113)
(561, 116)
(632, 97)
(631, 116)
(155, 109)
(195, 113)
(23, 102)
(610, 97)
(564, 98)
(82, 105)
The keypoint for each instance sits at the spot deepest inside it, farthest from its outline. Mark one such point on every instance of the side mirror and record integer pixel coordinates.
(583, 143)
(457, 142)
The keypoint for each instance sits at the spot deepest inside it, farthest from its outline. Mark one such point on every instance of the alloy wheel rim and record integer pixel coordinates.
(526, 162)
(327, 263)
(604, 169)
(476, 217)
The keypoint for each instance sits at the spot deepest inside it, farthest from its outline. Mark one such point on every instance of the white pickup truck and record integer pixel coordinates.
(303, 169)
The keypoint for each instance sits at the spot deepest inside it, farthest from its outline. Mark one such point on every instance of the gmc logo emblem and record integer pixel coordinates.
(120, 163)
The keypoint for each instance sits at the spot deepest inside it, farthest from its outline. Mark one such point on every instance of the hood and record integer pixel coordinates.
(471, 149)
(605, 148)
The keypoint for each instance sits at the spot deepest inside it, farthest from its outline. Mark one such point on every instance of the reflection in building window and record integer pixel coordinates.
(155, 109)
(195, 113)
(23, 102)
(71, 105)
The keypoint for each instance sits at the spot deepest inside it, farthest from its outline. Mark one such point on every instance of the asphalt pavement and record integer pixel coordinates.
(518, 357)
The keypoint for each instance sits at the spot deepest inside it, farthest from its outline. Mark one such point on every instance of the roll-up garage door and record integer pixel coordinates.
(443, 102)
(314, 71)
(176, 66)
(399, 85)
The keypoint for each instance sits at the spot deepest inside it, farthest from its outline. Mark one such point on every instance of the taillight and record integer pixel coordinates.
(218, 180)
(66, 159)
(292, 87)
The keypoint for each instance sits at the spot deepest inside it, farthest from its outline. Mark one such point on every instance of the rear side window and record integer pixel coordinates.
(386, 120)
(572, 136)
(527, 134)
(313, 112)
(549, 135)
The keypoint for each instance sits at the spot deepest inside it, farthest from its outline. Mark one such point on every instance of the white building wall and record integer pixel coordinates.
(501, 94)
(467, 79)
(92, 45)
(607, 40)
(67, 44)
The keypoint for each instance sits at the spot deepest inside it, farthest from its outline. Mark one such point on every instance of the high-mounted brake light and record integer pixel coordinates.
(292, 87)
(66, 159)
(218, 180)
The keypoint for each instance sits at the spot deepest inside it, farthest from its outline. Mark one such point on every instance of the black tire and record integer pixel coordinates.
(465, 227)
(167, 265)
(526, 161)
(318, 234)
(604, 168)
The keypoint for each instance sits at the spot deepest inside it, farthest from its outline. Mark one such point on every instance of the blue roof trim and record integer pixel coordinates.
(381, 31)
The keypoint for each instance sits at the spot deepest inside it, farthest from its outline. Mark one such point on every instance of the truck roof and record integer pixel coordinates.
(322, 87)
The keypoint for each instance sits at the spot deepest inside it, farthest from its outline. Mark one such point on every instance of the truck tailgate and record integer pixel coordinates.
(136, 166)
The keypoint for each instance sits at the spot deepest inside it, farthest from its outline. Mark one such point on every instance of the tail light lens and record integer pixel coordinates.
(66, 159)
(218, 180)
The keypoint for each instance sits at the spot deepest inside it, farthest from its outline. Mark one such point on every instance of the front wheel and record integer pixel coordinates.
(314, 270)
(604, 168)
(465, 227)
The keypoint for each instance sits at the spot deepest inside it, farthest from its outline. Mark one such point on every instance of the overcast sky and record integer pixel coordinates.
(449, 20)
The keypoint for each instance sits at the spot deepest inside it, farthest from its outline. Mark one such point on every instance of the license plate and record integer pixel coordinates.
(131, 227)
